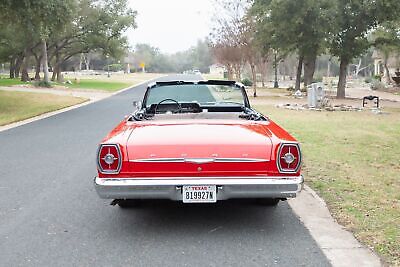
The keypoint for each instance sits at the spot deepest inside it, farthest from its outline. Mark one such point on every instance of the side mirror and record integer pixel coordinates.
(137, 104)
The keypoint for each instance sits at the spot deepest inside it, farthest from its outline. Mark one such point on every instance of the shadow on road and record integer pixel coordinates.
(166, 217)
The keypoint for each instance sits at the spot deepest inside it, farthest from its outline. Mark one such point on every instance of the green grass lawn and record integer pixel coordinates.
(87, 84)
(17, 106)
(352, 160)
(10, 82)
(110, 86)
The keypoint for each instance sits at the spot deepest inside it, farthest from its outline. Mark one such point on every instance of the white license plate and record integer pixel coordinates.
(199, 194)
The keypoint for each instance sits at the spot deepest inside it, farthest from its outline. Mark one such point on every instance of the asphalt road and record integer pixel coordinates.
(50, 214)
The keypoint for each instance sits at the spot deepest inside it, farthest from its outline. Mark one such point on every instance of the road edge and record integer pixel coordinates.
(339, 245)
(52, 113)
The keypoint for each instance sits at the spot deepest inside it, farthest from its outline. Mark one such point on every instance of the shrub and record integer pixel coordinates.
(368, 80)
(247, 82)
(42, 84)
(317, 79)
(377, 85)
(378, 77)
(113, 67)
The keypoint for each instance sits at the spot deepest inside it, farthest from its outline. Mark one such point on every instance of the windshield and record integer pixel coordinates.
(198, 93)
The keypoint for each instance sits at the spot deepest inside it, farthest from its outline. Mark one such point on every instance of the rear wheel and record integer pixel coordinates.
(268, 201)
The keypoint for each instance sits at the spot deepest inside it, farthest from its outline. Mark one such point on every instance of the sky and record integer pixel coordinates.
(171, 25)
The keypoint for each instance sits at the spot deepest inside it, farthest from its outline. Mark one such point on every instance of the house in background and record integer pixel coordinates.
(217, 70)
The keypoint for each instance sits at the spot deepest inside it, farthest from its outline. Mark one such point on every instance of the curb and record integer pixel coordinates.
(339, 245)
(52, 113)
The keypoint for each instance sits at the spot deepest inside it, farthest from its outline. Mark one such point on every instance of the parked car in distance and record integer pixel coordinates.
(195, 72)
(197, 142)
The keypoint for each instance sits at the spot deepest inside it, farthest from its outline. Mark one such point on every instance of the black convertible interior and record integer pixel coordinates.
(196, 100)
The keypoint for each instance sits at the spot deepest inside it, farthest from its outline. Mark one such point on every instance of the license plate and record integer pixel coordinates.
(199, 194)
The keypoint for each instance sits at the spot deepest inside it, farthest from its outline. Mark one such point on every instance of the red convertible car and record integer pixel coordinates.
(197, 142)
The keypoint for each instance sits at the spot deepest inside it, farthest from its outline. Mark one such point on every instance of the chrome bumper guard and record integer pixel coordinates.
(171, 188)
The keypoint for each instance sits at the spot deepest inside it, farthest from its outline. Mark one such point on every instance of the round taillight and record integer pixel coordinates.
(289, 158)
(109, 159)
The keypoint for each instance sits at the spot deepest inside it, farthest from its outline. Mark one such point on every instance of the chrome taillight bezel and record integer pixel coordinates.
(278, 162)
(100, 168)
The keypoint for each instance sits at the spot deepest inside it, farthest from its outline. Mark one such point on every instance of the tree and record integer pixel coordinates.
(354, 20)
(387, 40)
(226, 38)
(56, 30)
(34, 17)
(250, 49)
(294, 26)
(95, 26)
(12, 43)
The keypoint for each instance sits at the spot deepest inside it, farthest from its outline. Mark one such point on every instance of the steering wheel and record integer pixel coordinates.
(179, 110)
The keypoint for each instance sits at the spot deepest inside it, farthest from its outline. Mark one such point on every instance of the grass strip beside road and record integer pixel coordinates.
(98, 85)
(11, 82)
(17, 106)
(351, 159)
(87, 84)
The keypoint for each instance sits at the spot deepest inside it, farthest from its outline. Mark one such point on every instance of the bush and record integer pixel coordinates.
(42, 84)
(113, 67)
(377, 85)
(378, 77)
(318, 79)
(368, 80)
(247, 82)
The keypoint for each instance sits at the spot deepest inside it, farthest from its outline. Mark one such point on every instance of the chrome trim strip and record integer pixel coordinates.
(240, 160)
(178, 181)
(199, 160)
(159, 160)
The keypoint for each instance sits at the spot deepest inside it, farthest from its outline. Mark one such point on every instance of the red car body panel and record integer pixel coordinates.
(146, 140)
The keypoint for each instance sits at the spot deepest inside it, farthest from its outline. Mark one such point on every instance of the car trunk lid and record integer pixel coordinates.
(198, 150)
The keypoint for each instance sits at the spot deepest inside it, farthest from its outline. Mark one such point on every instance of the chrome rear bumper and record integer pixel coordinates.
(171, 188)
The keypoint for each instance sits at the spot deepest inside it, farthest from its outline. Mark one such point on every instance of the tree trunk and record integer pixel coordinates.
(60, 77)
(18, 64)
(45, 62)
(54, 75)
(87, 62)
(341, 90)
(24, 66)
(57, 69)
(24, 73)
(262, 68)
(358, 67)
(238, 73)
(12, 67)
(262, 79)
(328, 74)
(298, 73)
(37, 73)
(254, 77)
(387, 72)
(230, 71)
(309, 69)
(80, 62)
